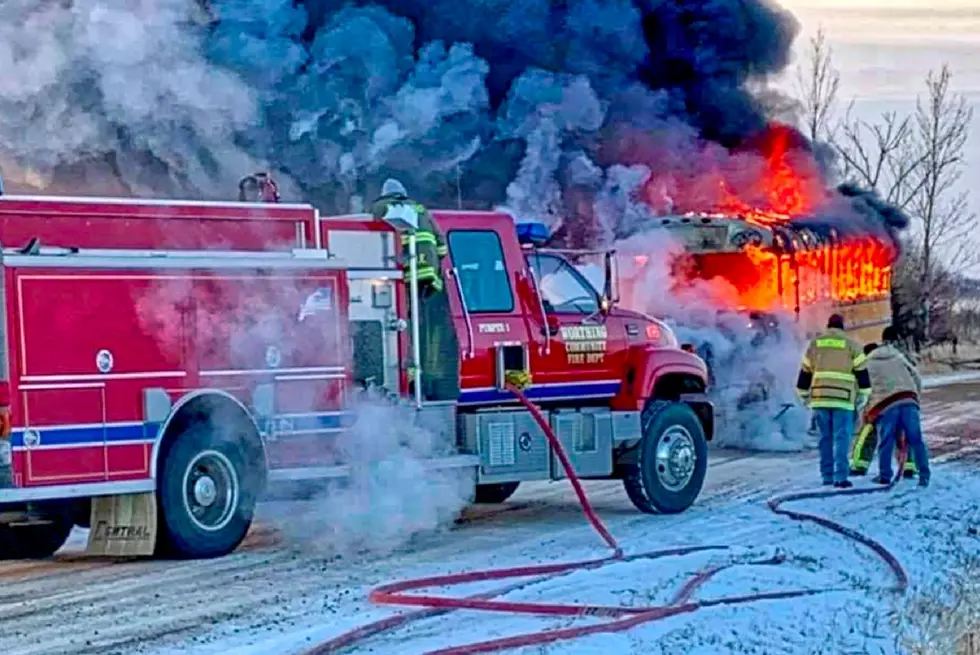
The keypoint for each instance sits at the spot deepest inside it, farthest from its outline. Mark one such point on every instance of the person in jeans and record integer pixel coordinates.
(894, 403)
(865, 439)
(834, 383)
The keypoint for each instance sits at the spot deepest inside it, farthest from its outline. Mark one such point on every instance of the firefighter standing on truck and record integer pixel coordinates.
(439, 347)
(835, 384)
(866, 438)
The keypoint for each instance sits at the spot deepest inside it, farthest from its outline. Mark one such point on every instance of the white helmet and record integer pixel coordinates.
(393, 187)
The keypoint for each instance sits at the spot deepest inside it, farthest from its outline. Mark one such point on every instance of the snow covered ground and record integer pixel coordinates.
(278, 597)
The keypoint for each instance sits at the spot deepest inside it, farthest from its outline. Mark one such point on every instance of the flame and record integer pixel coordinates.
(789, 183)
(763, 280)
(786, 185)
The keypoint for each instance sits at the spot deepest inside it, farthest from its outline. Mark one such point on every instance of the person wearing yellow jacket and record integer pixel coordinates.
(894, 406)
(834, 383)
(866, 438)
(439, 345)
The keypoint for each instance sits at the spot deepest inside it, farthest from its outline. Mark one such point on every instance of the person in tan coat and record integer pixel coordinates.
(866, 441)
(894, 405)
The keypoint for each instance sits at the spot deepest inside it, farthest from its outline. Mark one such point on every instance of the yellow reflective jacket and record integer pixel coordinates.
(429, 243)
(834, 372)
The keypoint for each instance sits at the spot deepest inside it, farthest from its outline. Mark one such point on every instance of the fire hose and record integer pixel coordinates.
(622, 618)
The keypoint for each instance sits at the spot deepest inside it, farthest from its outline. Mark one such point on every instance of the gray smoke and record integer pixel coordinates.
(753, 362)
(182, 97)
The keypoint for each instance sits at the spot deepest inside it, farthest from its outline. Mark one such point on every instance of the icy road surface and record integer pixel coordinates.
(277, 597)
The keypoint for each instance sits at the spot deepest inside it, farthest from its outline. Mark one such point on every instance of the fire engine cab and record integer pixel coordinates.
(165, 364)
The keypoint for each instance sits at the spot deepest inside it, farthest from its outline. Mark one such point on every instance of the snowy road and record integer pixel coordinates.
(278, 596)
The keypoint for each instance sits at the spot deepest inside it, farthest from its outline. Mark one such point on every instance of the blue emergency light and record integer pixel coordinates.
(534, 234)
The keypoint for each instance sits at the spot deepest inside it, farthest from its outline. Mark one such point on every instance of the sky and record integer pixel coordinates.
(885, 48)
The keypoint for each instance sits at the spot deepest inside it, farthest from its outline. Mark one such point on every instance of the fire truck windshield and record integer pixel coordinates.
(563, 288)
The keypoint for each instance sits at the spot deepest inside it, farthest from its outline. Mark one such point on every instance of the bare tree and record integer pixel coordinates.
(817, 83)
(941, 129)
(880, 156)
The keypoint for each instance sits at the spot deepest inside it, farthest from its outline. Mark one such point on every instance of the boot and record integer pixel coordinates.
(858, 472)
(844, 484)
(908, 474)
(881, 480)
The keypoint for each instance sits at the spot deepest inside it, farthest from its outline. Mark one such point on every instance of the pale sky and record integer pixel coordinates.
(885, 48)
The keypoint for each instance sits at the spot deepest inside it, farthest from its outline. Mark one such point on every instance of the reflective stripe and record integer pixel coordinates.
(442, 250)
(834, 375)
(858, 461)
(828, 403)
(859, 360)
(420, 237)
(807, 364)
(831, 342)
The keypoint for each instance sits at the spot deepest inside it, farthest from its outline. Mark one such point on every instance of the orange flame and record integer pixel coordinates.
(788, 185)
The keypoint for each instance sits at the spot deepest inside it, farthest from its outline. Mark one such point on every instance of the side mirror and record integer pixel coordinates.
(554, 325)
(611, 291)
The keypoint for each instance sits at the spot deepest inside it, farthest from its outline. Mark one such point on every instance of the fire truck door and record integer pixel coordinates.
(64, 438)
(581, 337)
(492, 316)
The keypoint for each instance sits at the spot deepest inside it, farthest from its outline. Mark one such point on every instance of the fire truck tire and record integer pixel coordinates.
(493, 494)
(671, 460)
(206, 495)
(33, 541)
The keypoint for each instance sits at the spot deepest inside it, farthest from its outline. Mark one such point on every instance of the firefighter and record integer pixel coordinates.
(439, 346)
(895, 406)
(866, 438)
(834, 383)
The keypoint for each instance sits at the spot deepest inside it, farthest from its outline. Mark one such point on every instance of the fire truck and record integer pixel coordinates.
(167, 364)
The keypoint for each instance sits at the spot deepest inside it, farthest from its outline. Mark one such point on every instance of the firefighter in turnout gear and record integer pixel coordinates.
(835, 384)
(894, 406)
(439, 346)
(866, 438)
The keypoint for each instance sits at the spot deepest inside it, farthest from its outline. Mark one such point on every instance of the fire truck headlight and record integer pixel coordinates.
(660, 334)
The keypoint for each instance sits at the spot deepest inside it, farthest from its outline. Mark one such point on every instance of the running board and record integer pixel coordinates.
(338, 472)
(95, 489)
(62, 491)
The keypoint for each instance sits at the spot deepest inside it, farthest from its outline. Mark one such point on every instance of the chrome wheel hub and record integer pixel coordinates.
(205, 491)
(211, 490)
(676, 458)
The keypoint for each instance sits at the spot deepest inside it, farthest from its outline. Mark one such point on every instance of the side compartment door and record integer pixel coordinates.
(582, 339)
(61, 438)
(64, 435)
(484, 264)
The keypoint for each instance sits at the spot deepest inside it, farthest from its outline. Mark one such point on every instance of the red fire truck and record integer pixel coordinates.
(193, 355)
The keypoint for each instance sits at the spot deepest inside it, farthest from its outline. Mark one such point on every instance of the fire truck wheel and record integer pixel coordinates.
(492, 494)
(206, 497)
(33, 541)
(671, 460)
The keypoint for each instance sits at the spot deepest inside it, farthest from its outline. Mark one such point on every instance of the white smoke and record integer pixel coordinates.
(120, 76)
(544, 109)
(390, 495)
(754, 380)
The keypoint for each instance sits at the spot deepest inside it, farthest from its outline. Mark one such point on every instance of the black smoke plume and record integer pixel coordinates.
(554, 109)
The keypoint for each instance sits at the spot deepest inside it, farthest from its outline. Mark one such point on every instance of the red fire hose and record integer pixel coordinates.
(622, 618)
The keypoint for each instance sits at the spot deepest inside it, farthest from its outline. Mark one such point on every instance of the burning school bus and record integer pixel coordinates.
(798, 270)
(746, 295)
